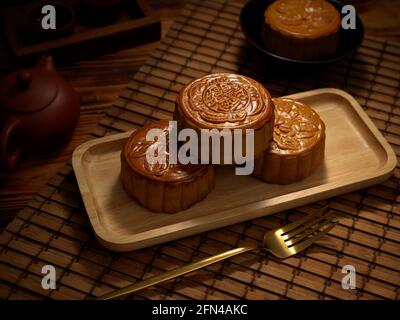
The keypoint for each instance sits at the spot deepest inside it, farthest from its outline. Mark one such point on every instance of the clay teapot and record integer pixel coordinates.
(38, 111)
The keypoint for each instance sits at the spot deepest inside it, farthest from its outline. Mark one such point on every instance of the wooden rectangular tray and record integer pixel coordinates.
(357, 156)
(86, 40)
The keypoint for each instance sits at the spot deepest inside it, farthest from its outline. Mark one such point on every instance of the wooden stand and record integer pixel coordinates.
(121, 224)
(86, 40)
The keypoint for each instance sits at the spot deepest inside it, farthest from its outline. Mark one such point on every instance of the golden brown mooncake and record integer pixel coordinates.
(298, 146)
(161, 187)
(301, 29)
(227, 101)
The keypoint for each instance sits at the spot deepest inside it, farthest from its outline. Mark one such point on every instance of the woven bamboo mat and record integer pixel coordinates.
(54, 229)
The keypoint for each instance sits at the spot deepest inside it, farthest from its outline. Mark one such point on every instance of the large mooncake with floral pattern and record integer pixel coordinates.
(162, 186)
(230, 102)
(301, 29)
(298, 145)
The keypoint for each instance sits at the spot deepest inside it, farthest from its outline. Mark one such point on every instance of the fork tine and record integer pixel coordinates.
(293, 225)
(309, 231)
(305, 226)
(304, 244)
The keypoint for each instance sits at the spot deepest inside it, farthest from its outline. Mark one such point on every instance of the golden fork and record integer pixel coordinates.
(282, 243)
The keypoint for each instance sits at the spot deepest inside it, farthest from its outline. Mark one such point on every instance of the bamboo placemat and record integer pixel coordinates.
(54, 229)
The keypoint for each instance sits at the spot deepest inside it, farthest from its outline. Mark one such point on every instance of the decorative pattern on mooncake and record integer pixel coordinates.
(301, 29)
(227, 101)
(161, 187)
(297, 127)
(298, 144)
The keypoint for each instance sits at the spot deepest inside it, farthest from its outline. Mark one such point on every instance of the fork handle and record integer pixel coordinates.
(177, 272)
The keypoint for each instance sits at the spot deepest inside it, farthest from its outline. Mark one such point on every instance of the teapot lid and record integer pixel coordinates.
(29, 90)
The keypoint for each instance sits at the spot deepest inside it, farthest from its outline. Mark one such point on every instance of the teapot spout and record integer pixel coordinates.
(46, 62)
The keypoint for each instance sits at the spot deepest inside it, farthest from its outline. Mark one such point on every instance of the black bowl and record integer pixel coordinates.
(251, 20)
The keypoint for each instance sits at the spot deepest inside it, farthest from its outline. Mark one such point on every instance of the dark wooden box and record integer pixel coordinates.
(139, 24)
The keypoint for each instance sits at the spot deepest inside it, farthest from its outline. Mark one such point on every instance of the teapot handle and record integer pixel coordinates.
(9, 155)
